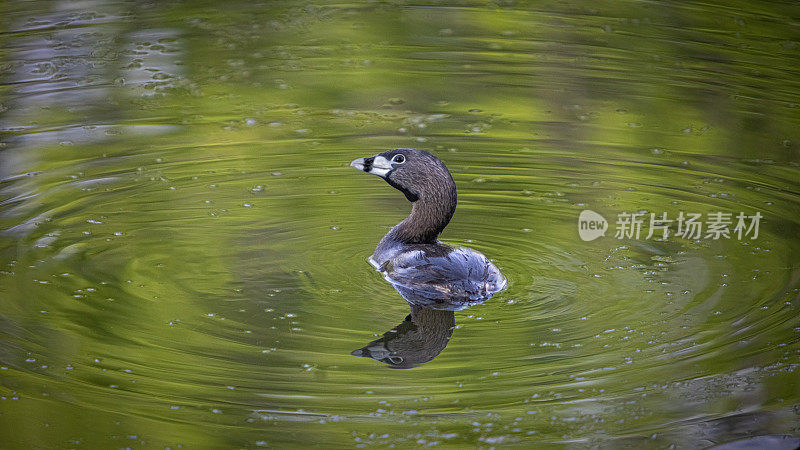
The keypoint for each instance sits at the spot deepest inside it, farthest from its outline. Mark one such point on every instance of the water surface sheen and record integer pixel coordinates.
(183, 247)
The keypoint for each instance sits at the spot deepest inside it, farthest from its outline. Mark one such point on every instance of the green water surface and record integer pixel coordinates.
(183, 247)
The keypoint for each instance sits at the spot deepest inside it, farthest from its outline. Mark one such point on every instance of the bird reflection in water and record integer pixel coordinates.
(418, 339)
(436, 279)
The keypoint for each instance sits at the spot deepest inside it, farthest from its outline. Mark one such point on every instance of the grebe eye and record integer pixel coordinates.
(399, 159)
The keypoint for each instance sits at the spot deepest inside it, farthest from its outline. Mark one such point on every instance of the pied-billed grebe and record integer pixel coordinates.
(425, 271)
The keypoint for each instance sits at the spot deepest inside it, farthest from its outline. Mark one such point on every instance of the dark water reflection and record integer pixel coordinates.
(419, 338)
